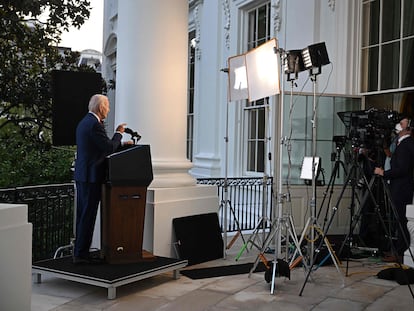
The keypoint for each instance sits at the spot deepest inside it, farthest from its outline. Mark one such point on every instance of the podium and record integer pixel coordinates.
(128, 174)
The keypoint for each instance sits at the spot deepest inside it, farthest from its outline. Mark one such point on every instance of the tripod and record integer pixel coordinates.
(354, 218)
(264, 222)
(311, 224)
(392, 213)
(225, 204)
(279, 223)
(388, 233)
(351, 174)
(339, 142)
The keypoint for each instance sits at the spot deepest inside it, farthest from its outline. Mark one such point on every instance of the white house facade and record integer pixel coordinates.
(169, 61)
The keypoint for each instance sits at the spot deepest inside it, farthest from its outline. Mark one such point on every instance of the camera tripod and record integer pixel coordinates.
(387, 230)
(392, 212)
(339, 140)
(350, 179)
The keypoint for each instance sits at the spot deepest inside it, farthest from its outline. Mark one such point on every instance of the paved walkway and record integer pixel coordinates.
(327, 289)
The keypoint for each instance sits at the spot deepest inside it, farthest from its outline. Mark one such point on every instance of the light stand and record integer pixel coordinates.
(260, 228)
(314, 57)
(225, 204)
(262, 73)
(313, 200)
(293, 64)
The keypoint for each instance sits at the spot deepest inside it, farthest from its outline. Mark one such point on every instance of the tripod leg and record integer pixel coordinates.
(334, 258)
(273, 231)
(292, 233)
(355, 218)
(272, 287)
(237, 224)
(335, 208)
(329, 189)
(236, 236)
(251, 240)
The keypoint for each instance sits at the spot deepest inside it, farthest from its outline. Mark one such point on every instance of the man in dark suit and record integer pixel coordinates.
(401, 186)
(93, 145)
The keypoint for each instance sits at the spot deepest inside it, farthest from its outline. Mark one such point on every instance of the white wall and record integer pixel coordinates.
(15, 258)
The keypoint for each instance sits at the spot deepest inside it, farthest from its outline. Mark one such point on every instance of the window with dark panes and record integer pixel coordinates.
(258, 33)
(387, 50)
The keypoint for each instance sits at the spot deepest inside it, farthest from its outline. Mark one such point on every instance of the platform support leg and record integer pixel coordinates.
(37, 278)
(111, 292)
(176, 274)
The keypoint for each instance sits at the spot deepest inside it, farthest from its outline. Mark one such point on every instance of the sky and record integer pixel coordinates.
(89, 36)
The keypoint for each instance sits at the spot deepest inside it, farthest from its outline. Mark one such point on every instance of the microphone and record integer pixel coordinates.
(132, 133)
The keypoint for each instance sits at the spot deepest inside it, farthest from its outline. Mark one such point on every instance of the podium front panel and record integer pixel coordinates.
(123, 215)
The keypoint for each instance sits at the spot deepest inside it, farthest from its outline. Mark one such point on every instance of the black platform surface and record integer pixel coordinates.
(106, 275)
(105, 272)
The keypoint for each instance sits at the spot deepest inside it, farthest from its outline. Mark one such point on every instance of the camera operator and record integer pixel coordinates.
(401, 185)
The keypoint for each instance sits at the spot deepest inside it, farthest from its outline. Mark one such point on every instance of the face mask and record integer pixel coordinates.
(398, 128)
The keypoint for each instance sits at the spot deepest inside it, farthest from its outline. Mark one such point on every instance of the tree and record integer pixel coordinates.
(30, 32)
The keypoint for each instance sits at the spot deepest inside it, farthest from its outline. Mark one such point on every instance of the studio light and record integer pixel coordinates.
(238, 89)
(315, 56)
(293, 64)
(263, 71)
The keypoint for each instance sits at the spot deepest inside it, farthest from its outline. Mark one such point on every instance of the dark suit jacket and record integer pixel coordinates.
(401, 172)
(93, 145)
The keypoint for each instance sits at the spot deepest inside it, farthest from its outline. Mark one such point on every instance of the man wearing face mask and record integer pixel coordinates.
(401, 185)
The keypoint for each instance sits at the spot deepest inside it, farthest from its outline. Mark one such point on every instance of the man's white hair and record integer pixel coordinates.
(96, 101)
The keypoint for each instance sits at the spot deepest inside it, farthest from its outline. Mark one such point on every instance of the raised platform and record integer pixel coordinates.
(105, 275)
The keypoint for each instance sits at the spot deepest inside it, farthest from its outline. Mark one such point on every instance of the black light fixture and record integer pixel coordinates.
(315, 56)
(293, 64)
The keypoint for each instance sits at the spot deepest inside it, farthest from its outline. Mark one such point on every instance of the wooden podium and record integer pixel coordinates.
(129, 172)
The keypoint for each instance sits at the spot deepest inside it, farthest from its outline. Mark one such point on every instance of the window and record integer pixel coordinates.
(329, 125)
(255, 118)
(387, 52)
(190, 96)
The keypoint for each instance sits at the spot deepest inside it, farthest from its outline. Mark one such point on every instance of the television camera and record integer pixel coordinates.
(369, 128)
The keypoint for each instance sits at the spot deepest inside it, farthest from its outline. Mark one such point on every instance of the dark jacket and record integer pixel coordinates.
(93, 145)
(401, 172)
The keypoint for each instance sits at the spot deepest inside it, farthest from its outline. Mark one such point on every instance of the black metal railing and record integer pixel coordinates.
(50, 210)
(247, 200)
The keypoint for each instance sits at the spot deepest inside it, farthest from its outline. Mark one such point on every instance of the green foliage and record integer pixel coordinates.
(33, 163)
(28, 54)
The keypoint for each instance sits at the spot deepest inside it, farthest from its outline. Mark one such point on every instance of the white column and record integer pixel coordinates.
(151, 86)
(151, 96)
(210, 102)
